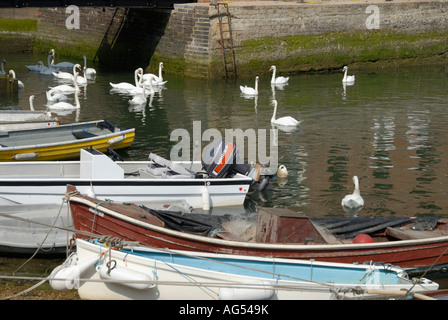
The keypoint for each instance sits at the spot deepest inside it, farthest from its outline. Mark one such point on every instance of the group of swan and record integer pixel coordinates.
(68, 76)
(54, 68)
(56, 96)
(144, 85)
(150, 78)
(274, 80)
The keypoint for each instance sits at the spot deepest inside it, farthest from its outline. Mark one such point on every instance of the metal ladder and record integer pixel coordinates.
(226, 40)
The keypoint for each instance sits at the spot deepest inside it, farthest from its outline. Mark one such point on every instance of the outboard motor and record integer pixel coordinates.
(220, 159)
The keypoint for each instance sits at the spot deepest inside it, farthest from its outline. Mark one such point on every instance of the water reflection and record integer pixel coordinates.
(386, 128)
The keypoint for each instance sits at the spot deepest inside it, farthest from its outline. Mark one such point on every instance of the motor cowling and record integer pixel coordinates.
(220, 159)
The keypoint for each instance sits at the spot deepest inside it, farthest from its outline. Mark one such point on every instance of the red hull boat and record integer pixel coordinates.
(279, 233)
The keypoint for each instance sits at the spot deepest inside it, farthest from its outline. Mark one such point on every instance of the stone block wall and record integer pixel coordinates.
(295, 36)
(185, 41)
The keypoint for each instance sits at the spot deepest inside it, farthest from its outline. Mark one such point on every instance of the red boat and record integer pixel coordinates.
(278, 233)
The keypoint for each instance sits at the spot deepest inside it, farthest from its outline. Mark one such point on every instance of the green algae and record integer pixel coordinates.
(15, 25)
(332, 50)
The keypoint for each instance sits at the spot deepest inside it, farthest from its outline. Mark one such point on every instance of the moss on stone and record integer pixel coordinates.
(15, 25)
(331, 50)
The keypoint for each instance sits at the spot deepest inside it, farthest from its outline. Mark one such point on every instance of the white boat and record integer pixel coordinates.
(34, 182)
(30, 228)
(26, 119)
(28, 124)
(109, 271)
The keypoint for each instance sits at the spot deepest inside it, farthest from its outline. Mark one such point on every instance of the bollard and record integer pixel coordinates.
(9, 87)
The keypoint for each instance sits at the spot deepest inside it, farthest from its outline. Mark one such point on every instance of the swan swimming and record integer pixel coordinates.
(62, 105)
(346, 78)
(156, 80)
(67, 75)
(88, 72)
(278, 79)
(250, 91)
(19, 83)
(46, 70)
(138, 90)
(64, 65)
(37, 67)
(139, 98)
(67, 89)
(126, 85)
(353, 200)
(283, 121)
(53, 96)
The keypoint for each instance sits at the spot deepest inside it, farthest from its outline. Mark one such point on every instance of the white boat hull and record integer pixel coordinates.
(173, 281)
(34, 182)
(24, 229)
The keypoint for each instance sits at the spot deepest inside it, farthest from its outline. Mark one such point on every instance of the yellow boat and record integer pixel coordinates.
(63, 142)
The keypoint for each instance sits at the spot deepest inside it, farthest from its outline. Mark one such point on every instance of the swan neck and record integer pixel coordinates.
(356, 191)
(31, 104)
(77, 100)
(75, 80)
(273, 75)
(345, 73)
(160, 72)
(275, 112)
(256, 85)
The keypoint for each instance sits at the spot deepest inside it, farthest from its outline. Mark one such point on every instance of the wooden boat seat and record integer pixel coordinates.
(408, 234)
(83, 134)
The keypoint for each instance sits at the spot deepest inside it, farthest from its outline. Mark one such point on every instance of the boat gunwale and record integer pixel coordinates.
(255, 245)
(398, 272)
(65, 142)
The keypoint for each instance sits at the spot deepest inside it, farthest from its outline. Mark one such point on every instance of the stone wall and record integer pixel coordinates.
(302, 36)
(293, 35)
(185, 41)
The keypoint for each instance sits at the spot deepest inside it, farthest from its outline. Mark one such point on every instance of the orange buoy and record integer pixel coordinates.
(363, 238)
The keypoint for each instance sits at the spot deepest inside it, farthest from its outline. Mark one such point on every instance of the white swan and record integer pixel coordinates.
(250, 91)
(156, 80)
(67, 89)
(353, 200)
(67, 75)
(62, 105)
(2, 70)
(89, 72)
(19, 83)
(31, 99)
(278, 79)
(53, 96)
(137, 90)
(346, 78)
(139, 98)
(283, 121)
(126, 85)
(64, 65)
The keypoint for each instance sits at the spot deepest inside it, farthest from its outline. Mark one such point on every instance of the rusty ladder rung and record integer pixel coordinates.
(229, 67)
